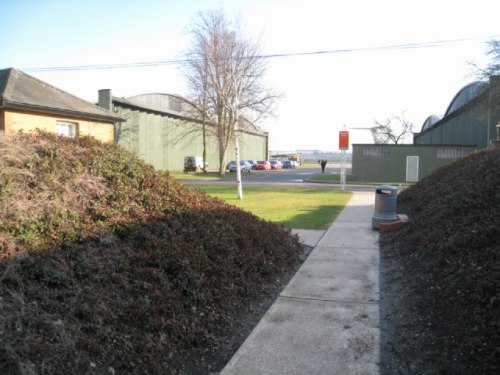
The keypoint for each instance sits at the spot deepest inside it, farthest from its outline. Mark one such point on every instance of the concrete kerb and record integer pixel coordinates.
(326, 320)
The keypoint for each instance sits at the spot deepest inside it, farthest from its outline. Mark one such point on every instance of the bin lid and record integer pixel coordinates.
(386, 189)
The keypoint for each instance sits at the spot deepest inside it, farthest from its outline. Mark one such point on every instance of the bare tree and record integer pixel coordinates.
(393, 130)
(493, 67)
(494, 52)
(225, 75)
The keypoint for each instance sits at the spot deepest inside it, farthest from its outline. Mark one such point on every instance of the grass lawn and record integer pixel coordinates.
(209, 176)
(326, 178)
(329, 178)
(299, 208)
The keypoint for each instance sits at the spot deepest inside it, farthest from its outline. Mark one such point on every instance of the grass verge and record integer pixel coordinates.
(329, 178)
(209, 176)
(291, 207)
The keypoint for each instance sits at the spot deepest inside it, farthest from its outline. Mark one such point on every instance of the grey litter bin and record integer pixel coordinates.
(386, 197)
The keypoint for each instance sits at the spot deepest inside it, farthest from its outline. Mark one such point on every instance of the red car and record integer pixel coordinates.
(276, 165)
(263, 165)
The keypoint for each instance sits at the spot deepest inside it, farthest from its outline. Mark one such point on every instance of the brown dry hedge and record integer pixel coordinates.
(110, 266)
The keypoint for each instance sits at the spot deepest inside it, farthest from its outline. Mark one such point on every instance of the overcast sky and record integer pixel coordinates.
(358, 80)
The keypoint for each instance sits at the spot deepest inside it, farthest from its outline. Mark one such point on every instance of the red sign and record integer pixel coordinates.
(343, 140)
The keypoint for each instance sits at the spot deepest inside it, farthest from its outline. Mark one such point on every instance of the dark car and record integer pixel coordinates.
(288, 164)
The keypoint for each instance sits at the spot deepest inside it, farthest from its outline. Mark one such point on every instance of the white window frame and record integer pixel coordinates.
(66, 128)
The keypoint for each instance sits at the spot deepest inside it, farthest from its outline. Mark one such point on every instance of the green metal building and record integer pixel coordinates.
(470, 123)
(471, 117)
(162, 129)
(402, 163)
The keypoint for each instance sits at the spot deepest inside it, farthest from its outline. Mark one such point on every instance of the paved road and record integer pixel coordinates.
(286, 178)
(297, 175)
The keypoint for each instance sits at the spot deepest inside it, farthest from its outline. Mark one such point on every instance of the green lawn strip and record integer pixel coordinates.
(210, 176)
(300, 208)
(325, 178)
(328, 178)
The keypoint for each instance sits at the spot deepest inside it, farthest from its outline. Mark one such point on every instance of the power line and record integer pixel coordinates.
(105, 66)
(440, 43)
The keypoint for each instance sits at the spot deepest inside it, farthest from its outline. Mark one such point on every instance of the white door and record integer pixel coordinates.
(411, 168)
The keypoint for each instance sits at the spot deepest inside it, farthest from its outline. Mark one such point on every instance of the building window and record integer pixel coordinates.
(66, 129)
(375, 152)
(450, 153)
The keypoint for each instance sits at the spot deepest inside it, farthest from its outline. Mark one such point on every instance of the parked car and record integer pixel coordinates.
(288, 164)
(263, 165)
(276, 165)
(253, 163)
(245, 166)
(193, 164)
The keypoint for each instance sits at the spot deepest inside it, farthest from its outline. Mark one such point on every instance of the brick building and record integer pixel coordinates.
(27, 103)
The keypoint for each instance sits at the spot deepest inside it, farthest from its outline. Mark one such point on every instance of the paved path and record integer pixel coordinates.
(326, 321)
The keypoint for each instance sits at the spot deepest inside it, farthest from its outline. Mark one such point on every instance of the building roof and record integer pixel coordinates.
(430, 122)
(19, 90)
(133, 102)
(463, 97)
(176, 106)
(466, 94)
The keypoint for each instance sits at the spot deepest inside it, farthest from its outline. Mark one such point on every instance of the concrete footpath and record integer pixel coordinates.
(326, 320)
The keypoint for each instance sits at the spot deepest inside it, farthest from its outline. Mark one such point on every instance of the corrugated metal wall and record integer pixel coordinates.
(388, 163)
(473, 124)
(469, 126)
(164, 141)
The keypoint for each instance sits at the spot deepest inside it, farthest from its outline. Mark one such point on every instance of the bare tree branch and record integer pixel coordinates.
(493, 67)
(393, 130)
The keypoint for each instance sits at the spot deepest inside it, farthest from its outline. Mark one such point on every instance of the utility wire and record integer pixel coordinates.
(440, 43)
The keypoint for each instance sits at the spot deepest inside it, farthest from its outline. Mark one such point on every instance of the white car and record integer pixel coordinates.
(245, 166)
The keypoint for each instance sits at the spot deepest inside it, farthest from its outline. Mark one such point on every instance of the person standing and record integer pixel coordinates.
(323, 165)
